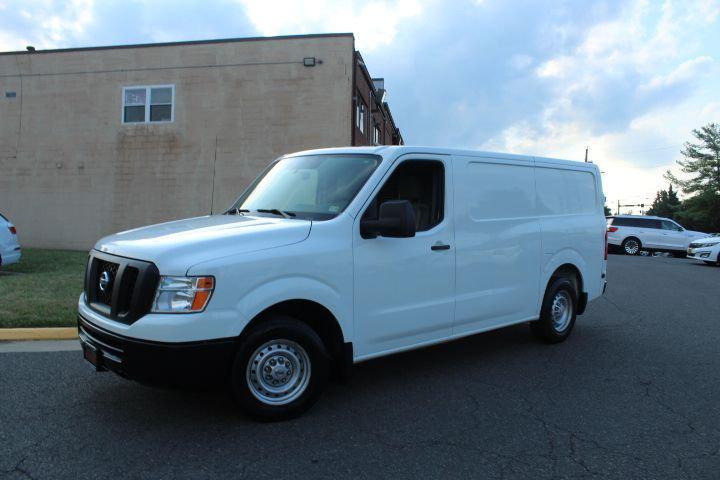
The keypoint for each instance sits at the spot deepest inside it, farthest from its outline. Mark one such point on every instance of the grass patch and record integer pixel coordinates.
(42, 290)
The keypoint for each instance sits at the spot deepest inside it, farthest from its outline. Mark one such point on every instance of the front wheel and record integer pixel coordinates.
(558, 311)
(280, 370)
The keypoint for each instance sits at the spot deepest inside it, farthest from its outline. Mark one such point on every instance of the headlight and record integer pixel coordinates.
(183, 294)
(703, 245)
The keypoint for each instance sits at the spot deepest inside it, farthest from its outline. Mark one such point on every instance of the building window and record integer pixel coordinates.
(360, 115)
(151, 104)
(376, 135)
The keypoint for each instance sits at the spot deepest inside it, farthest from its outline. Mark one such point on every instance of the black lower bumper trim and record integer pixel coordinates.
(179, 364)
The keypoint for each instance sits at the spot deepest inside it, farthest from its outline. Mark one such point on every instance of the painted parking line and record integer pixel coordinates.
(39, 346)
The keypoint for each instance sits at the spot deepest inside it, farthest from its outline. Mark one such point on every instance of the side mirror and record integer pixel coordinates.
(396, 219)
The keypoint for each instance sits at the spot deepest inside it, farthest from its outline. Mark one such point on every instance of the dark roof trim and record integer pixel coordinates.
(173, 44)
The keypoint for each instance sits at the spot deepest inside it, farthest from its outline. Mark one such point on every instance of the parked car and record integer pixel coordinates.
(336, 256)
(635, 233)
(9, 246)
(705, 249)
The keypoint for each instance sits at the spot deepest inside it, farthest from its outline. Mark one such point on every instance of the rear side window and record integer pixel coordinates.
(4, 217)
(565, 192)
(635, 222)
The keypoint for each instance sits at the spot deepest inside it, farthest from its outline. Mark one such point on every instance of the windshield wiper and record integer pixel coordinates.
(275, 211)
(237, 211)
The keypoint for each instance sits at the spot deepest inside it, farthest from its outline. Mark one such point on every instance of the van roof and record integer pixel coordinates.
(388, 150)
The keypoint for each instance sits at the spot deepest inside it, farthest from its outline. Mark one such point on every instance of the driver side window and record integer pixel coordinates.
(667, 225)
(422, 183)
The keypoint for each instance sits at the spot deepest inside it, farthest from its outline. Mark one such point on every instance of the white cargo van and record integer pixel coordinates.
(336, 256)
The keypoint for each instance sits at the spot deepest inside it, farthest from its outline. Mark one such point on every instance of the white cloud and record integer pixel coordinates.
(47, 24)
(686, 71)
(616, 65)
(374, 23)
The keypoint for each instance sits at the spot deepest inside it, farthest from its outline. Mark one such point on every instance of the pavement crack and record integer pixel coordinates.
(19, 469)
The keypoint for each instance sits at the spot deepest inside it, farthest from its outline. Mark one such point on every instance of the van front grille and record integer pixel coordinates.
(106, 270)
(120, 288)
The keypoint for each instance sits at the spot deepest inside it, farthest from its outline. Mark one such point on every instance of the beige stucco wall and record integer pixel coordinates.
(70, 172)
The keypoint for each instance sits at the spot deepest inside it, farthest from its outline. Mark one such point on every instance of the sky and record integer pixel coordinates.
(629, 79)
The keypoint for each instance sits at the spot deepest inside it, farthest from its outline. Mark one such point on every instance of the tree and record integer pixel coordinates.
(608, 212)
(701, 164)
(666, 204)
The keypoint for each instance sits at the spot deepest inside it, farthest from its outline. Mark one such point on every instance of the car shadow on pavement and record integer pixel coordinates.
(485, 355)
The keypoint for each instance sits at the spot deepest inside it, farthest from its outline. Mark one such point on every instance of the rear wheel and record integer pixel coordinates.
(631, 246)
(280, 369)
(558, 311)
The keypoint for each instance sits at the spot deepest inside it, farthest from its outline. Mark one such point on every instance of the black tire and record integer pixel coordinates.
(290, 338)
(545, 328)
(631, 246)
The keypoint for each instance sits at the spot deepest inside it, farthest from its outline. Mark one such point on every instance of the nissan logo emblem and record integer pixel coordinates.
(105, 280)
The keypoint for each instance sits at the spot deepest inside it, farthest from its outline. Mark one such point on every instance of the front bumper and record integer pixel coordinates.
(179, 364)
(704, 254)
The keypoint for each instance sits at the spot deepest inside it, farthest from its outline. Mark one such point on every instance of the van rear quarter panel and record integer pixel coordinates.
(572, 222)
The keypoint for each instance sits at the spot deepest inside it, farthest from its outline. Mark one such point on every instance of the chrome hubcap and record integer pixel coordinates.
(631, 247)
(561, 311)
(278, 372)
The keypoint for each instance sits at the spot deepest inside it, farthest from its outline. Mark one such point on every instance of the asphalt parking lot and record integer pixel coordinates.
(634, 393)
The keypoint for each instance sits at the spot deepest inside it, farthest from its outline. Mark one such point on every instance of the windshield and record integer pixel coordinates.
(315, 187)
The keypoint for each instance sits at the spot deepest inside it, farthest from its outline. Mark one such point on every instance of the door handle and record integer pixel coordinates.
(440, 246)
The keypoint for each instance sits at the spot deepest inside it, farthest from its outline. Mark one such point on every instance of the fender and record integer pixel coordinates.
(552, 262)
(279, 290)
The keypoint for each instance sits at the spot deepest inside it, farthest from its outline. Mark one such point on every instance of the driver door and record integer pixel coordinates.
(673, 235)
(404, 288)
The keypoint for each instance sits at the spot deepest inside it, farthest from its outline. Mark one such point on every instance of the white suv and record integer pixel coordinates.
(634, 233)
(9, 246)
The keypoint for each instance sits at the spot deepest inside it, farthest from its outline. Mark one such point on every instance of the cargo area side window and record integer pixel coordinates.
(422, 183)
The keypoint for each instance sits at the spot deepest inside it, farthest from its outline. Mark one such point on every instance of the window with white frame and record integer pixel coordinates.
(376, 135)
(148, 104)
(360, 115)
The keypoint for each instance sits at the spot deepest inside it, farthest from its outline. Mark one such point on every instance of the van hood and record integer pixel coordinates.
(176, 246)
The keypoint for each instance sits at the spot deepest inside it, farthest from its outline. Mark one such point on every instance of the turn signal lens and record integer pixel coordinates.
(183, 294)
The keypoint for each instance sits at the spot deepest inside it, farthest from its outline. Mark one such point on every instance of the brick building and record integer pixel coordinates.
(102, 139)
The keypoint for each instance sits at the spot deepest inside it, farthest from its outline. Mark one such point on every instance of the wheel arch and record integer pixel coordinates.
(316, 316)
(569, 263)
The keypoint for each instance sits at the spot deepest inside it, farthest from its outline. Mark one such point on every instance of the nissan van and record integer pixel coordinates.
(336, 256)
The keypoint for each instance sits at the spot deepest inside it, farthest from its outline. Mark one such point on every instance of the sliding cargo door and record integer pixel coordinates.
(498, 242)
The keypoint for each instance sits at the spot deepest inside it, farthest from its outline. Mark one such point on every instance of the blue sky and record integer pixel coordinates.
(630, 79)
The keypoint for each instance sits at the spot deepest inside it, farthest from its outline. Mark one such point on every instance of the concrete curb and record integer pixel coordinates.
(38, 333)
